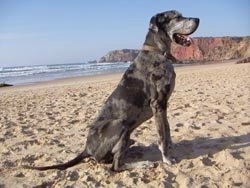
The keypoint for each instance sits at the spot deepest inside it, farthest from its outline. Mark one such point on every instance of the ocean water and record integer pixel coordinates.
(19, 75)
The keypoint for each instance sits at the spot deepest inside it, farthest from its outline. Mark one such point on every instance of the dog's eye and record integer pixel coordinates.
(178, 16)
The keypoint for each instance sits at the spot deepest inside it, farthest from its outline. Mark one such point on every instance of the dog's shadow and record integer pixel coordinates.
(190, 149)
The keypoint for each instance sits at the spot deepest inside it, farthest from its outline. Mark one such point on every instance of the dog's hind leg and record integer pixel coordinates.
(119, 153)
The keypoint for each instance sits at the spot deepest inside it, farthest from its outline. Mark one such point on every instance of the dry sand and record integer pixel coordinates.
(209, 114)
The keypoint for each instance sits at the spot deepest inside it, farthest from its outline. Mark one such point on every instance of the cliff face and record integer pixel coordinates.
(203, 49)
(213, 49)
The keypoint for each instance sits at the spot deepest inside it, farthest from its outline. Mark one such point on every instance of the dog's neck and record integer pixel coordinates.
(154, 43)
(168, 55)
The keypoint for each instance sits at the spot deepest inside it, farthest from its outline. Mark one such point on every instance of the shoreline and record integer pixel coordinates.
(68, 81)
(105, 76)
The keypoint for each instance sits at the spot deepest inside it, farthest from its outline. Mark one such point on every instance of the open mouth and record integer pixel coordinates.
(182, 39)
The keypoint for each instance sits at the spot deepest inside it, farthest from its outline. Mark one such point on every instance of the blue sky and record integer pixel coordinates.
(36, 32)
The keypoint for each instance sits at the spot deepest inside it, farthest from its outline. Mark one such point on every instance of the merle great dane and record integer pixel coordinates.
(143, 92)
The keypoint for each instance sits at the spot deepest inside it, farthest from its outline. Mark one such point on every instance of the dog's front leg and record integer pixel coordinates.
(160, 114)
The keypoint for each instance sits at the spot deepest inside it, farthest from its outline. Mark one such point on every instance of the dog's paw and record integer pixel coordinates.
(146, 164)
(169, 160)
(140, 164)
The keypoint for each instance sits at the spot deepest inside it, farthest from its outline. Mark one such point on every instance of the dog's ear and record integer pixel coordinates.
(153, 24)
(156, 21)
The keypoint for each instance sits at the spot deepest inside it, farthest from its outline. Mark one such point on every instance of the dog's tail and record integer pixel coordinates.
(62, 166)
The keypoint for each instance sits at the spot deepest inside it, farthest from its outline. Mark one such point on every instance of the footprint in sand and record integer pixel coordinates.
(237, 154)
(245, 123)
(8, 164)
(178, 125)
(207, 161)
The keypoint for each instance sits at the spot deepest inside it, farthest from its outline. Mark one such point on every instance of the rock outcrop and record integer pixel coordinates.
(5, 85)
(203, 49)
(123, 55)
(244, 60)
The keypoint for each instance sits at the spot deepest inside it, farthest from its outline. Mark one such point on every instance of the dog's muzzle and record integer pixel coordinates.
(183, 29)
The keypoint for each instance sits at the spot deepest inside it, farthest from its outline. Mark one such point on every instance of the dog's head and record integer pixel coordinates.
(174, 26)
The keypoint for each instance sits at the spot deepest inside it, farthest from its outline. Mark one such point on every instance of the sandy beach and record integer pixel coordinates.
(209, 115)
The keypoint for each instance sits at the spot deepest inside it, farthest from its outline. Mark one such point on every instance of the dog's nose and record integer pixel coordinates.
(197, 20)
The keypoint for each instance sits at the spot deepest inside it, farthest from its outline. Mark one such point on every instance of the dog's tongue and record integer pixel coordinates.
(189, 40)
(184, 40)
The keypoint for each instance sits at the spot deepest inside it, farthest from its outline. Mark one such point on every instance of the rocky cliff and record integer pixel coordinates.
(203, 49)
(213, 49)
